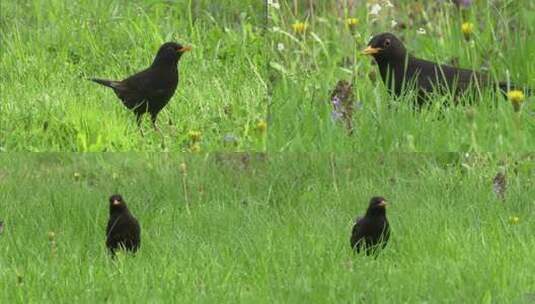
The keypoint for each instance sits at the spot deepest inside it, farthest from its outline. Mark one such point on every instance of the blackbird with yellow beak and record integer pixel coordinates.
(151, 89)
(400, 70)
(372, 231)
(123, 230)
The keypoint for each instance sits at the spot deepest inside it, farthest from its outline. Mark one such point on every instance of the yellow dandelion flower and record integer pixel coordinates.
(195, 148)
(299, 27)
(194, 136)
(352, 22)
(514, 219)
(516, 97)
(261, 126)
(467, 28)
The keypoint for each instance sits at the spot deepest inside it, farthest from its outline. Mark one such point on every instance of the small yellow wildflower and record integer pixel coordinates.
(77, 175)
(516, 97)
(467, 28)
(299, 27)
(351, 23)
(51, 236)
(194, 136)
(195, 148)
(514, 219)
(261, 126)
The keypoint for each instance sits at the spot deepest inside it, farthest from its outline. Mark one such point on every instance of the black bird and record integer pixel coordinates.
(399, 69)
(371, 231)
(150, 89)
(123, 231)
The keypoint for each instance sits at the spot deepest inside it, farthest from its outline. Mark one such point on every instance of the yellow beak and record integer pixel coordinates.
(116, 202)
(383, 204)
(185, 49)
(370, 50)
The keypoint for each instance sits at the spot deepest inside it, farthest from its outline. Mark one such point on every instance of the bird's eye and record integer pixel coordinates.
(387, 43)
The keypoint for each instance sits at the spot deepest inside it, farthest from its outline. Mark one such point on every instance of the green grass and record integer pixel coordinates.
(260, 227)
(306, 66)
(50, 48)
(268, 229)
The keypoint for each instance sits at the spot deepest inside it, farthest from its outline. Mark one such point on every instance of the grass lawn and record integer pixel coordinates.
(50, 48)
(270, 224)
(312, 47)
(231, 228)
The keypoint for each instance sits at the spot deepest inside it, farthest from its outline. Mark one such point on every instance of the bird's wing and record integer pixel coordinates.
(146, 84)
(130, 94)
(154, 82)
(355, 232)
(140, 80)
(463, 78)
(112, 222)
(358, 223)
(136, 230)
(422, 72)
(432, 76)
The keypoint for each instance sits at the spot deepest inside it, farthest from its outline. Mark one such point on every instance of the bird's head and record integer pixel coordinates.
(169, 53)
(117, 204)
(386, 47)
(377, 206)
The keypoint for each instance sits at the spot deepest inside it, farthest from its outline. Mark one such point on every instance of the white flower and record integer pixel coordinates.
(280, 47)
(230, 138)
(376, 8)
(421, 31)
(388, 3)
(394, 23)
(274, 4)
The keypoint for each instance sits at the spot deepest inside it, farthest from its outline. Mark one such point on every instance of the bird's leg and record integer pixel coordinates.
(153, 119)
(138, 121)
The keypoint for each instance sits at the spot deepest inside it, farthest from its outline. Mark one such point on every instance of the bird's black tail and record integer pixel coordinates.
(108, 83)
